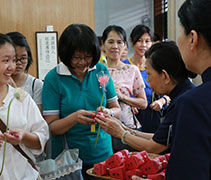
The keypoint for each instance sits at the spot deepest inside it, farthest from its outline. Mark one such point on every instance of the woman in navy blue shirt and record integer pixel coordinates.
(166, 75)
(191, 144)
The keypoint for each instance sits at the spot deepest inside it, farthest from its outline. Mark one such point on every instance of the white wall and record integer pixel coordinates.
(125, 13)
(173, 26)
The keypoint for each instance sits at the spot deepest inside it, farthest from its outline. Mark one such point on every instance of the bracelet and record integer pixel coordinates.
(134, 132)
(165, 100)
(123, 136)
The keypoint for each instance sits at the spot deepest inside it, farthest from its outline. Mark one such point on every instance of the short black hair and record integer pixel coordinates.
(195, 15)
(166, 56)
(5, 39)
(78, 37)
(118, 29)
(20, 40)
(138, 31)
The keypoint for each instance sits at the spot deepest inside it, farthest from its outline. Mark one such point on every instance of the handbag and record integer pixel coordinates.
(66, 166)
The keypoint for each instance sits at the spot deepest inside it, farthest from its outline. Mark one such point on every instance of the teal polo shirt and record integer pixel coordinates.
(63, 94)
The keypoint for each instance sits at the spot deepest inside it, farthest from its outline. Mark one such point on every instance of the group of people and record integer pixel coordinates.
(148, 101)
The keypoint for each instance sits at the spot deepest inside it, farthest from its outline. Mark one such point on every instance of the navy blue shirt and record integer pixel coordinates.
(164, 133)
(191, 144)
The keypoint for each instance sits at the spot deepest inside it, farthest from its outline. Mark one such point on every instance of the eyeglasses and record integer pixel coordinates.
(76, 59)
(23, 60)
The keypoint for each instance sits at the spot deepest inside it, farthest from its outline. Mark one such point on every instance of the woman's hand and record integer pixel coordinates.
(85, 117)
(156, 105)
(14, 136)
(120, 95)
(111, 125)
(135, 110)
(106, 111)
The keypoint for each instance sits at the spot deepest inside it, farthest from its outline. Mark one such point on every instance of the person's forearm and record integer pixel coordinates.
(140, 103)
(61, 126)
(31, 140)
(141, 144)
(143, 135)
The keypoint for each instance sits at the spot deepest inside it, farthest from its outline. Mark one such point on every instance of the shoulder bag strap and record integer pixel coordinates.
(33, 83)
(17, 147)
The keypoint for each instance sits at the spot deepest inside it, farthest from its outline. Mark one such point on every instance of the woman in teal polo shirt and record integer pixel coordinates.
(72, 94)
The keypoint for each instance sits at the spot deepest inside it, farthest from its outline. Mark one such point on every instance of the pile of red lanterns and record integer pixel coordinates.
(123, 165)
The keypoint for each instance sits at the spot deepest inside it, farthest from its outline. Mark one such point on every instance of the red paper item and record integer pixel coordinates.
(134, 161)
(144, 155)
(118, 172)
(115, 160)
(158, 176)
(167, 156)
(130, 173)
(152, 166)
(100, 169)
(98, 113)
(162, 160)
(125, 153)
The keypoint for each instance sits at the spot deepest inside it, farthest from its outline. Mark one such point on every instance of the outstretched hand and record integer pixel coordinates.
(111, 125)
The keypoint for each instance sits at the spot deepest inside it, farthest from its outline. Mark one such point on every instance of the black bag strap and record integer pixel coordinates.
(17, 147)
(33, 86)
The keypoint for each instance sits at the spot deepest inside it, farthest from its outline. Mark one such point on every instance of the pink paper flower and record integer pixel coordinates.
(103, 80)
(19, 94)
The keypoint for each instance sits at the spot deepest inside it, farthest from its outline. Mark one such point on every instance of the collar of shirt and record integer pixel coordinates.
(181, 88)
(62, 69)
(206, 76)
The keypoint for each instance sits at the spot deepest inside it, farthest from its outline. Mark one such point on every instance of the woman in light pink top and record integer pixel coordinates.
(127, 78)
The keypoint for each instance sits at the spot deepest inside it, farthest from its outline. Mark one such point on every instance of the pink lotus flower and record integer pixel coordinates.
(103, 80)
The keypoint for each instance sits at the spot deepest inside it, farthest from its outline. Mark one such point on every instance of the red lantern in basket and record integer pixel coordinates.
(125, 153)
(118, 172)
(115, 160)
(158, 176)
(130, 173)
(100, 169)
(152, 166)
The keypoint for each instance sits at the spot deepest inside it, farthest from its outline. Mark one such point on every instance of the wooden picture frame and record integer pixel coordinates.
(47, 53)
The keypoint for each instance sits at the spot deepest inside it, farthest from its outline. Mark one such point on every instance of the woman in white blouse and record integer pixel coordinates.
(27, 128)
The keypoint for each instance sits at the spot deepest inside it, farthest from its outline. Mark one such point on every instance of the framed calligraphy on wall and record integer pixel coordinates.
(47, 55)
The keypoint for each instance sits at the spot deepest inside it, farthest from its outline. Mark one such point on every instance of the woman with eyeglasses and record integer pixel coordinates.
(127, 80)
(72, 94)
(20, 77)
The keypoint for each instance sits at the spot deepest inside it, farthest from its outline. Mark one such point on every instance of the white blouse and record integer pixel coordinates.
(23, 115)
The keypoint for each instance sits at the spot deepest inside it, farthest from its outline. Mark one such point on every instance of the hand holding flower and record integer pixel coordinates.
(14, 136)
